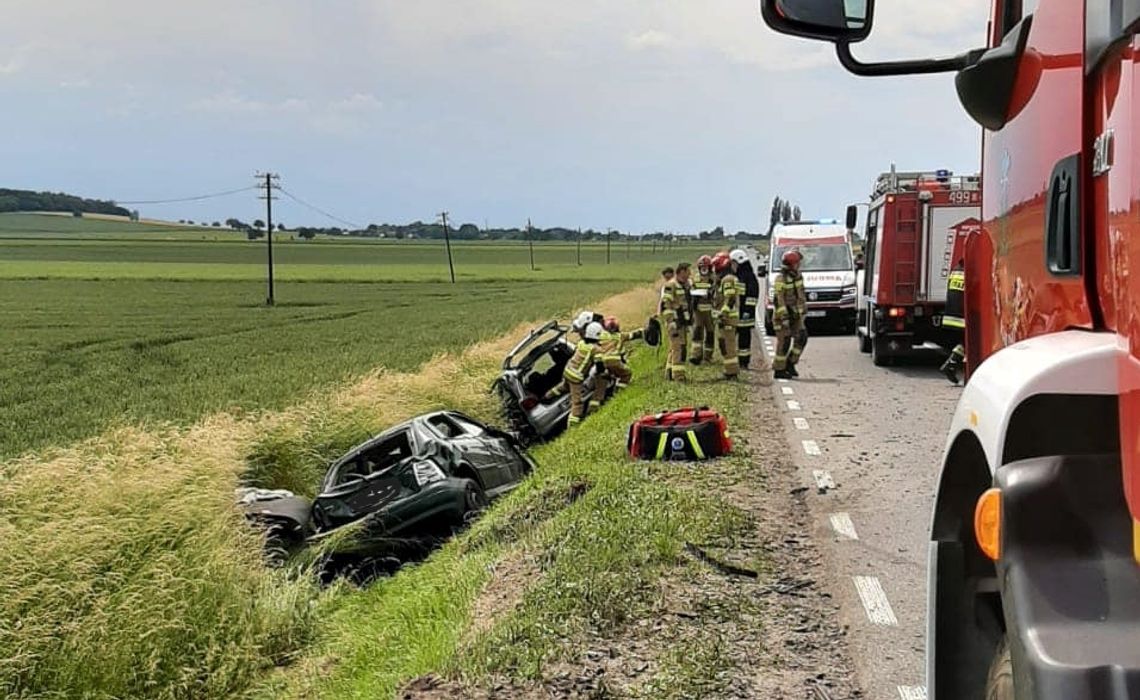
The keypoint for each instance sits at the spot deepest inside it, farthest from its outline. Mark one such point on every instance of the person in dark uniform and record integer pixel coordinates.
(742, 266)
(954, 322)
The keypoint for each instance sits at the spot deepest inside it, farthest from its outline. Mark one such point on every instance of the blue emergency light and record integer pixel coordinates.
(943, 175)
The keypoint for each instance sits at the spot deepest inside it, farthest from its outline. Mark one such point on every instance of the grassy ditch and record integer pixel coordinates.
(576, 552)
(126, 573)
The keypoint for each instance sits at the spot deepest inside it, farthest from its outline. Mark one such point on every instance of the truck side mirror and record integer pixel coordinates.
(830, 20)
(852, 217)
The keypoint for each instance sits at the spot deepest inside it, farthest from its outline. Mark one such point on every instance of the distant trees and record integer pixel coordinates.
(782, 210)
(26, 200)
(258, 224)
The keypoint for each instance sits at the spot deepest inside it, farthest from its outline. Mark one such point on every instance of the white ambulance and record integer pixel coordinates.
(828, 268)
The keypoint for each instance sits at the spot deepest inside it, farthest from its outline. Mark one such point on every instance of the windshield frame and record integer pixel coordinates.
(779, 251)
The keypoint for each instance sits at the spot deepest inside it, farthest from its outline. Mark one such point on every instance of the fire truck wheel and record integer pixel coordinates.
(999, 682)
(879, 355)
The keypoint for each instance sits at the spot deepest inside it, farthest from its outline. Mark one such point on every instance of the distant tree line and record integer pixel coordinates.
(471, 232)
(26, 200)
(782, 210)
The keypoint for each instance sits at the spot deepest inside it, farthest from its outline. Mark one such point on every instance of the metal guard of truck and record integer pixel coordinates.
(1051, 414)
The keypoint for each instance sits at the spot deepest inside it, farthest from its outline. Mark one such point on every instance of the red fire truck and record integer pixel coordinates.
(1034, 582)
(916, 227)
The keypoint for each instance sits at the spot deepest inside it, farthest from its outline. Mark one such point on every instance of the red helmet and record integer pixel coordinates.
(705, 262)
(793, 257)
(612, 324)
(721, 262)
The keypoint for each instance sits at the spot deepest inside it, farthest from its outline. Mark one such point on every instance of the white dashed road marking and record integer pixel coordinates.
(811, 447)
(801, 423)
(823, 480)
(875, 601)
(782, 381)
(794, 405)
(788, 391)
(912, 692)
(843, 526)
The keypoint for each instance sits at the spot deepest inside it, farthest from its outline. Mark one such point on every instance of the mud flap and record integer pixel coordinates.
(1070, 585)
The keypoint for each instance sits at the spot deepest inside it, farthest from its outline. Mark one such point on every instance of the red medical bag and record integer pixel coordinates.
(686, 434)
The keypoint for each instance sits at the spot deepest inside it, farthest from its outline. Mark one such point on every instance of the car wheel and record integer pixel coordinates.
(474, 501)
(999, 681)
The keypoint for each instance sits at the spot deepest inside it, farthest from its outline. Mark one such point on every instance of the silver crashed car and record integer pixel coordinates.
(532, 372)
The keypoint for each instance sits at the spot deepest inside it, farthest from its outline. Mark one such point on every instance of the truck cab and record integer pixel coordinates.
(917, 225)
(1034, 549)
(828, 268)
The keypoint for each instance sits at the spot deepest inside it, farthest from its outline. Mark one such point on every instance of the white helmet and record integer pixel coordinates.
(738, 256)
(583, 320)
(594, 331)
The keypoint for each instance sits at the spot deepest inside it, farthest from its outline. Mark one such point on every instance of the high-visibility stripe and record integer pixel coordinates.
(951, 322)
(662, 444)
(696, 444)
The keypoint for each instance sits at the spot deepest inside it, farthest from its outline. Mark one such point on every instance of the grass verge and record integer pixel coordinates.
(578, 551)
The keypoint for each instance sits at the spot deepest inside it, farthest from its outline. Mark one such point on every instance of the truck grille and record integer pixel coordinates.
(824, 295)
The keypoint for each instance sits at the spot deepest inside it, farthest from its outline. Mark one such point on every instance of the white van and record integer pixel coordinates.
(828, 268)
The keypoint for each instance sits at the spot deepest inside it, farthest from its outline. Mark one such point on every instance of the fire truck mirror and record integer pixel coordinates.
(830, 20)
(852, 217)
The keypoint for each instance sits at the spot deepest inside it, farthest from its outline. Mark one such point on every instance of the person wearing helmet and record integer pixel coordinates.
(790, 310)
(584, 319)
(611, 357)
(728, 300)
(676, 318)
(578, 368)
(704, 328)
(742, 268)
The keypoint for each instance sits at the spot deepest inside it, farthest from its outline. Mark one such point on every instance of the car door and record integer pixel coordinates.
(469, 449)
(362, 484)
(511, 463)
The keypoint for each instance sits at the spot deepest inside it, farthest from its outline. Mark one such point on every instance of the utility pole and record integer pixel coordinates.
(609, 238)
(579, 246)
(530, 242)
(628, 241)
(447, 242)
(269, 182)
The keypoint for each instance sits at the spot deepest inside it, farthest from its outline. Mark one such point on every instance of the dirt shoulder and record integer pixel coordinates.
(742, 614)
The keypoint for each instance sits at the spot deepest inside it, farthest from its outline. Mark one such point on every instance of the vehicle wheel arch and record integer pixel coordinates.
(965, 621)
(464, 470)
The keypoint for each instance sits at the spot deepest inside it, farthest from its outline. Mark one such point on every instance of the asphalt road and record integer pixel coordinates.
(873, 438)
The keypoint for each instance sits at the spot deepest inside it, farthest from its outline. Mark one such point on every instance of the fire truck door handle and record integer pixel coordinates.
(1062, 218)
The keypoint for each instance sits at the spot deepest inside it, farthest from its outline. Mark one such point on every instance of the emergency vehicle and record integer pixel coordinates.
(1033, 579)
(828, 268)
(917, 224)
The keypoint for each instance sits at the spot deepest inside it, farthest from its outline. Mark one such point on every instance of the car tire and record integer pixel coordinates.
(879, 355)
(474, 501)
(999, 680)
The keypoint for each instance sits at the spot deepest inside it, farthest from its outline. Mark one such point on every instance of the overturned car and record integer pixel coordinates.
(397, 492)
(527, 385)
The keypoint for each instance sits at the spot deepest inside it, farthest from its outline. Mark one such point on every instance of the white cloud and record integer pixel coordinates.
(650, 39)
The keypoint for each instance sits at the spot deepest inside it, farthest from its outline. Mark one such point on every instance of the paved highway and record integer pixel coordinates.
(868, 442)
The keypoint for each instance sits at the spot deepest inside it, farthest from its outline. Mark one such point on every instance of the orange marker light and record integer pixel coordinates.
(987, 523)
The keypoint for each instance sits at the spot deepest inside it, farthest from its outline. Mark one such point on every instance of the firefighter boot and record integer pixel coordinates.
(953, 365)
(782, 374)
(792, 373)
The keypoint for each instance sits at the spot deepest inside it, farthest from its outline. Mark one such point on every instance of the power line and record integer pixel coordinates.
(188, 199)
(318, 210)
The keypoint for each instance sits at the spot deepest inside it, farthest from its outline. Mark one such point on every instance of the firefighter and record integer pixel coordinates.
(667, 276)
(729, 298)
(742, 268)
(584, 319)
(676, 318)
(576, 370)
(704, 328)
(788, 316)
(954, 322)
(611, 357)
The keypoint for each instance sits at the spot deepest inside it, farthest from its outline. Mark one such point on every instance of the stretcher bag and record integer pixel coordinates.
(683, 435)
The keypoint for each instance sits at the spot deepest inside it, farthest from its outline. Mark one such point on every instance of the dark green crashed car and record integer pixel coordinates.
(400, 490)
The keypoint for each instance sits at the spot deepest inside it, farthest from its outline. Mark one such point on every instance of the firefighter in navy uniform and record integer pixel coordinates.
(954, 322)
(788, 316)
(742, 267)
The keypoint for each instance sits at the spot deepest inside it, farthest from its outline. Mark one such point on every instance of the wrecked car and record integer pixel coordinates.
(402, 489)
(531, 373)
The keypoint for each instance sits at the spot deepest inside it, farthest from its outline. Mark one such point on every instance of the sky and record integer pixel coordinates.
(639, 115)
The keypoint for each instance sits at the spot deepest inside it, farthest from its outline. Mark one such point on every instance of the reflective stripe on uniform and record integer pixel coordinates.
(953, 322)
(696, 445)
